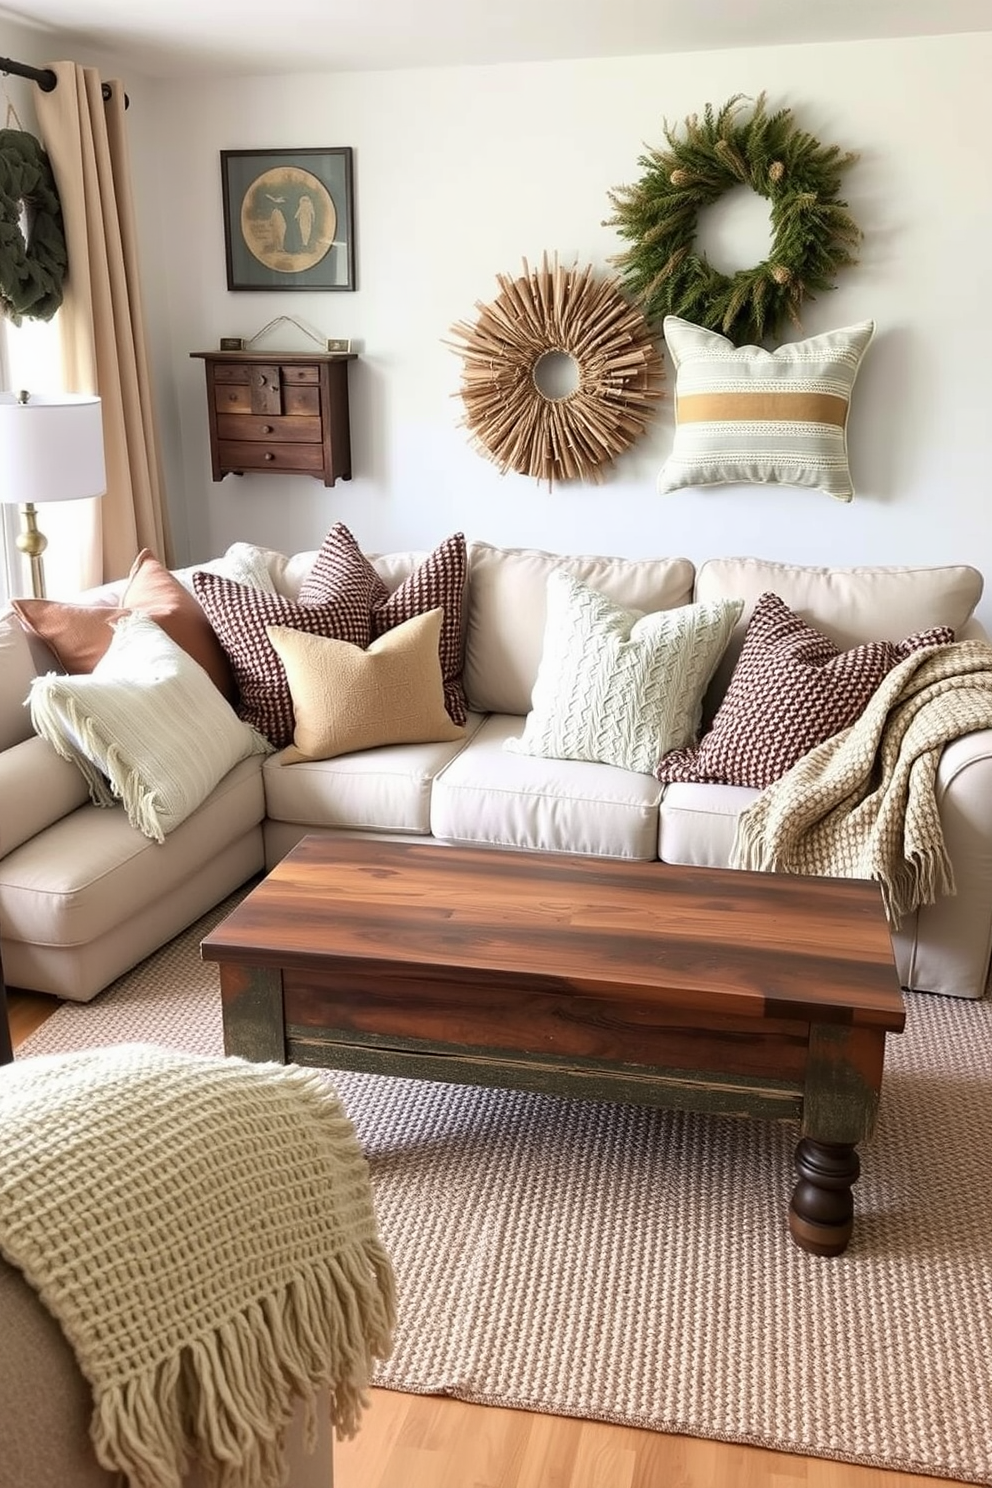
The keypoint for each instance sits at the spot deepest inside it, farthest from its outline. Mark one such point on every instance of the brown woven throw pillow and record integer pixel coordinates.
(790, 690)
(240, 615)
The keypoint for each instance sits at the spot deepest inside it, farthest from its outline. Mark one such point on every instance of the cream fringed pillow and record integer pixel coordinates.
(347, 699)
(616, 686)
(147, 726)
(760, 417)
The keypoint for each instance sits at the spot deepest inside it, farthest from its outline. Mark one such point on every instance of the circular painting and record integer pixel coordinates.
(288, 219)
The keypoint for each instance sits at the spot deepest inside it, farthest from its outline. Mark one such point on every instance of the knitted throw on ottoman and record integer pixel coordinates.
(204, 1233)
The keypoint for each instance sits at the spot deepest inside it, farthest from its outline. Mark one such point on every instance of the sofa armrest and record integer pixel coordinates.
(37, 788)
(948, 944)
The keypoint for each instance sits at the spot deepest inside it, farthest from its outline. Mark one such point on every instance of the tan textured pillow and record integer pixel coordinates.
(347, 699)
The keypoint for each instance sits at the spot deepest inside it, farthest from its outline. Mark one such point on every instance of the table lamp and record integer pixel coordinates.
(51, 449)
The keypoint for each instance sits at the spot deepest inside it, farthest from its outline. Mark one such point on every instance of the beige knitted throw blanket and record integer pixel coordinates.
(203, 1231)
(864, 803)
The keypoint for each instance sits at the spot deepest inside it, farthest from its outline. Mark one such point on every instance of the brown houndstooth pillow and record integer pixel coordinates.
(790, 690)
(239, 614)
(439, 583)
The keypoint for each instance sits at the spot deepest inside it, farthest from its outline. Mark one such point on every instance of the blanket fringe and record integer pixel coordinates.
(922, 878)
(225, 1400)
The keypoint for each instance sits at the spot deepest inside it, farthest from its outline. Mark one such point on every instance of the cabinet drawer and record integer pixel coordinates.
(236, 398)
(301, 400)
(244, 455)
(300, 374)
(230, 398)
(233, 372)
(234, 426)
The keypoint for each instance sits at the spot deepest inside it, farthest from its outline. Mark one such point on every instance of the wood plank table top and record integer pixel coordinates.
(754, 944)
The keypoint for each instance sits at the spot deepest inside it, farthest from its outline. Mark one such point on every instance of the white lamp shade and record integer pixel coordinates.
(51, 448)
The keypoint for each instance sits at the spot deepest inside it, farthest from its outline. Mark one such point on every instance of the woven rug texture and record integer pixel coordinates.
(635, 1266)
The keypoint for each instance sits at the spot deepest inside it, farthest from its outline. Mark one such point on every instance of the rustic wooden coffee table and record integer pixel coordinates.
(711, 990)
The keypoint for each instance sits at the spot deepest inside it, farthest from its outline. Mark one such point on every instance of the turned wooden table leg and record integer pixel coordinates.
(821, 1214)
(840, 1104)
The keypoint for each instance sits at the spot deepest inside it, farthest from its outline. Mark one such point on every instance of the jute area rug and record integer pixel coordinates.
(634, 1266)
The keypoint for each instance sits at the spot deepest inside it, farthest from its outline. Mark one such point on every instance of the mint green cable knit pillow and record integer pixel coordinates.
(617, 686)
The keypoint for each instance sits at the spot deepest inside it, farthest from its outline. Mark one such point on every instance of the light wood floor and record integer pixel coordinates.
(429, 1441)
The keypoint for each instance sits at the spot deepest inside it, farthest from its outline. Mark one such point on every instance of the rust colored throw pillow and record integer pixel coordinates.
(790, 690)
(80, 635)
(240, 615)
(438, 583)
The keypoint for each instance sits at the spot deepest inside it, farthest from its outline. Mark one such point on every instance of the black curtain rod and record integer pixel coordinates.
(44, 77)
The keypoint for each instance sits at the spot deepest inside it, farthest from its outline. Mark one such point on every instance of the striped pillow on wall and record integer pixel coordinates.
(758, 417)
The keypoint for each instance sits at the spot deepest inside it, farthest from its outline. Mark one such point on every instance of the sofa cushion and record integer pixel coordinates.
(697, 823)
(346, 699)
(384, 790)
(507, 609)
(849, 605)
(147, 719)
(491, 797)
(437, 583)
(91, 873)
(240, 614)
(791, 690)
(616, 686)
(79, 634)
(744, 414)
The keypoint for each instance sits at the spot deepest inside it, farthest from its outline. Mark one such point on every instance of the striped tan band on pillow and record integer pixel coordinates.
(785, 407)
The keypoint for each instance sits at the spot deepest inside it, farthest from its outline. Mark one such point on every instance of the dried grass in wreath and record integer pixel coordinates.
(575, 313)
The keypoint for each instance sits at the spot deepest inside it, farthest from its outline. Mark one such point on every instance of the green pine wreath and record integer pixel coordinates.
(32, 269)
(814, 235)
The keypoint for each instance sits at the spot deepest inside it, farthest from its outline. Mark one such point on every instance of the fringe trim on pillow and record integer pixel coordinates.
(51, 708)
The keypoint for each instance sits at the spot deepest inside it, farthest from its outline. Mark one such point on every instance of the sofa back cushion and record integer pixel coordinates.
(288, 572)
(849, 605)
(507, 609)
(20, 660)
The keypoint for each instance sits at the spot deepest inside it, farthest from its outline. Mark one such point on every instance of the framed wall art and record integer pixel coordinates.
(289, 218)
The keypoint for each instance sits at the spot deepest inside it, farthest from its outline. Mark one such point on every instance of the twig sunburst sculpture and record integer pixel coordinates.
(565, 312)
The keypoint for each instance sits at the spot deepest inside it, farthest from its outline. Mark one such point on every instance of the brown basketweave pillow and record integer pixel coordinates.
(438, 583)
(240, 615)
(790, 690)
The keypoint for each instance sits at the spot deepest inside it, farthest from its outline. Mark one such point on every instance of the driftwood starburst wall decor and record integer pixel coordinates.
(545, 313)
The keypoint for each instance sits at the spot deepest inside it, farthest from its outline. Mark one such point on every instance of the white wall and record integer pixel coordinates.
(462, 173)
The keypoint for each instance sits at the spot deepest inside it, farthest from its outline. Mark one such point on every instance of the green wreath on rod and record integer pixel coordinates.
(32, 269)
(814, 235)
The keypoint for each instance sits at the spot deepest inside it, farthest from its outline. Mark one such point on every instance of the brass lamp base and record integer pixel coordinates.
(32, 544)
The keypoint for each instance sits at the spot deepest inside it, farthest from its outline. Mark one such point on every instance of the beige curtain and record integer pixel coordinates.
(102, 319)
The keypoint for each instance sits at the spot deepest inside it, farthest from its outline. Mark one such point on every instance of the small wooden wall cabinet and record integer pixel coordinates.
(278, 411)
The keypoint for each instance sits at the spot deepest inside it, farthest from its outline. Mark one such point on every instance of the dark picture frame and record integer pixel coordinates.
(289, 218)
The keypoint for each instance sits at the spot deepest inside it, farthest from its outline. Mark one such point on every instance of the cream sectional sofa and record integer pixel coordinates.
(83, 896)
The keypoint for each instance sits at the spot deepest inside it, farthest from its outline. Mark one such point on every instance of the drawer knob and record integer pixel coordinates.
(266, 428)
(268, 455)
